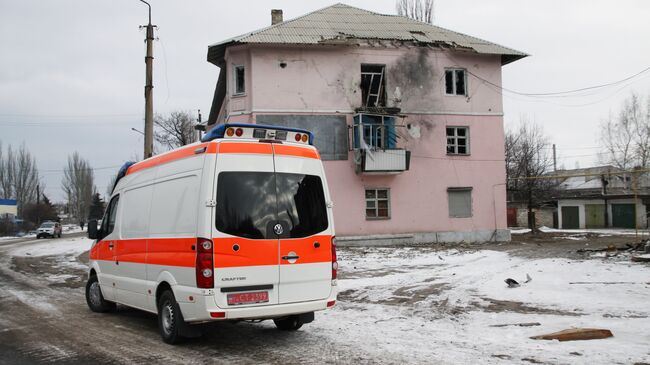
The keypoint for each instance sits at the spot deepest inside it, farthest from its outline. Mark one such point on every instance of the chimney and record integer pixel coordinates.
(276, 16)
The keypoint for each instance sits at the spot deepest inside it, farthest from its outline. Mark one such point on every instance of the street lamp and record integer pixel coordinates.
(135, 130)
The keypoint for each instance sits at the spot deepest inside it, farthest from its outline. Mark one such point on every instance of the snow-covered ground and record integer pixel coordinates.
(599, 231)
(442, 306)
(64, 250)
(65, 229)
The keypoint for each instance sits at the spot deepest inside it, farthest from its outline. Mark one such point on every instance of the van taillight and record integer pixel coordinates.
(335, 264)
(204, 263)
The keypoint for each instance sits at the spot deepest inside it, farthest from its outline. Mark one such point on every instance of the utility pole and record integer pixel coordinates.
(148, 89)
(554, 159)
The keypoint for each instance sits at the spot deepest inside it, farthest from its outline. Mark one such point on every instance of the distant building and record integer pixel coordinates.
(408, 117)
(603, 196)
(8, 208)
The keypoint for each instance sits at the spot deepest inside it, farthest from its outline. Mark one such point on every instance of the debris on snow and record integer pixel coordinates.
(576, 334)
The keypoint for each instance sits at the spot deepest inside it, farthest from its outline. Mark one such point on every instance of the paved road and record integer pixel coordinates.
(44, 323)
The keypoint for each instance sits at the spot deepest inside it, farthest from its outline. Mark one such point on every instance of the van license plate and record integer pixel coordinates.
(248, 298)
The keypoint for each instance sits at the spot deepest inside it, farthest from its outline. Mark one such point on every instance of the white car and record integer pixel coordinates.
(49, 229)
(236, 227)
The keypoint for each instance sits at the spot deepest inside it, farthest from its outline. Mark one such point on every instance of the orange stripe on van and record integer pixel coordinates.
(172, 156)
(296, 151)
(238, 147)
(304, 247)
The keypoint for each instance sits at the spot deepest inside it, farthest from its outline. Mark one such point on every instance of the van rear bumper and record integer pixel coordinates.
(199, 311)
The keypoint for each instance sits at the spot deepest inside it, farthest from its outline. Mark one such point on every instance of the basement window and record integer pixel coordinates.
(460, 202)
(457, 140)
(455, 81)
(377, 204)
(240, 80)
(373, 90)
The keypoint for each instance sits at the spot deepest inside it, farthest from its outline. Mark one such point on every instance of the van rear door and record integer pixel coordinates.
(305, 240)
(246, 262)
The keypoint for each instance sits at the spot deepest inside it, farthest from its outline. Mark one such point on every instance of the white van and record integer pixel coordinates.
(235, 227)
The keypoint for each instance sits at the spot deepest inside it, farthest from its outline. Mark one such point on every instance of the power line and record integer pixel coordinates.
(560, 93)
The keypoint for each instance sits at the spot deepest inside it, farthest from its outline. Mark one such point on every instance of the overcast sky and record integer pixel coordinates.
(72, 71)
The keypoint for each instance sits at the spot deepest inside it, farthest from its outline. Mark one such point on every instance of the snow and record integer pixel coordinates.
(439, 306)
(56, 246)
(599, 231)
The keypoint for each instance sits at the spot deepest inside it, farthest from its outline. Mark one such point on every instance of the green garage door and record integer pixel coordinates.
(595, 215)
(570, 218)
(623, 215)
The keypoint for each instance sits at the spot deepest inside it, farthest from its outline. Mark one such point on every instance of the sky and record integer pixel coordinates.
(72, 71)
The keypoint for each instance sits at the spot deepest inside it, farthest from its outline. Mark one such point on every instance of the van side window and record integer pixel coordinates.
(108, 223)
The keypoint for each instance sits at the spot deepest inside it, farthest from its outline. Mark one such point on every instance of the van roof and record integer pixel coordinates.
(220, 131)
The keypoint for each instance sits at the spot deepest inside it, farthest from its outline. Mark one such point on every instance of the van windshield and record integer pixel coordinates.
(249, 204)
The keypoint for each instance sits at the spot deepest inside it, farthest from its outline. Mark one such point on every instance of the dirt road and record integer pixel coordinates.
(412, 305)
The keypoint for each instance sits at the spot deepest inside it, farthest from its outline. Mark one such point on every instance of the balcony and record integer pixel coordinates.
(392, 161)
(375, 145)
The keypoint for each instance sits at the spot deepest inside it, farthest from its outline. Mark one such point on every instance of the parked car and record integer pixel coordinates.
(49, 229)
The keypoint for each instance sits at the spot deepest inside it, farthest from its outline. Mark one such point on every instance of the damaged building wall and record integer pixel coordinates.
(419, 196)
(327, 78)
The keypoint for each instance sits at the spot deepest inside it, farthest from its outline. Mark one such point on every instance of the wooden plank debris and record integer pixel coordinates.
(576, 334)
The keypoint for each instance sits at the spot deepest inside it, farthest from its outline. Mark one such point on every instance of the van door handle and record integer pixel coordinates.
(294, 257)
(110, 245)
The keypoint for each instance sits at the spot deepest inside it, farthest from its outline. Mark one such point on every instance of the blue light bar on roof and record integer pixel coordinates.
(220, 131)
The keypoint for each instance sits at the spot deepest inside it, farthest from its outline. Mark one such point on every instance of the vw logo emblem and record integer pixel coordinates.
(278, 229)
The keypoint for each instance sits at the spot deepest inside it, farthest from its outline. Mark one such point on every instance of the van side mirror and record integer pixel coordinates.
(92, 229)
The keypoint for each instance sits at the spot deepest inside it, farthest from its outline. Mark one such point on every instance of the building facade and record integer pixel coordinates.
(408, 118)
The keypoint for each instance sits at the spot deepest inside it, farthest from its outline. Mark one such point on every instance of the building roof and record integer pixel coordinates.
(339, 23)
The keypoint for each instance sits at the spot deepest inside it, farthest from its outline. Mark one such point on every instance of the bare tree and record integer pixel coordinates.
(78, 185)
(18, 176)
(6, 173)
(25, 177)
(421, 10)
(625, 140)
(527, 160)
(174, 130)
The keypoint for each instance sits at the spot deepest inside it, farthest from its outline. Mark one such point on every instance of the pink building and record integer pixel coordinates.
(408, 117)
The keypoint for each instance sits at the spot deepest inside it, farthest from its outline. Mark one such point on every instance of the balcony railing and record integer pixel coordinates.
(384, 161)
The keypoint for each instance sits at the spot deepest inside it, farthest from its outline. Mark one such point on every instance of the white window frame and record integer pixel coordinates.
(471, 201)
(456, 137)
(375, 202)
(453, 81)
(235, 92)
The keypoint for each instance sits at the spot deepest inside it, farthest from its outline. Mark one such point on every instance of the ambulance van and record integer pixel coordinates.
(235, 227)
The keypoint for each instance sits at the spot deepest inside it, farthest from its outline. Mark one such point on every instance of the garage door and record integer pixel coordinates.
(570, 218)
(595, 215)
(623, 215)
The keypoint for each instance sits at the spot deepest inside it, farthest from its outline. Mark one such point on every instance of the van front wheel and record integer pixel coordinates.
(291, 323)
(169, 318)
(95, 299)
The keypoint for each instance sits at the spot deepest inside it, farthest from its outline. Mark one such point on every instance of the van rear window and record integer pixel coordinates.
(249, 204)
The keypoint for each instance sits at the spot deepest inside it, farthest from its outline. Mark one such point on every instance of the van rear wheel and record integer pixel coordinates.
(95, 299)
(291, 323)
(169, 318)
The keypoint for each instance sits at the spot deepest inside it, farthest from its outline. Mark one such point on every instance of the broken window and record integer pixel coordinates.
(455, 82)
(377, 131)
(377, 203)
(373, 91)
(240, 80)
(457, 140)
(460, 202)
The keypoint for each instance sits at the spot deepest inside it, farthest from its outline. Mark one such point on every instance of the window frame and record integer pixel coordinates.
(468, 189)
(381, 95)
(454, 81)
(235, 91)
(376, 200)
(107, 215)
(456, 137)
